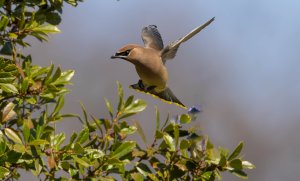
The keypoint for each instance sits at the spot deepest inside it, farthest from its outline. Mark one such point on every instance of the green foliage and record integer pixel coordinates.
(31, 102)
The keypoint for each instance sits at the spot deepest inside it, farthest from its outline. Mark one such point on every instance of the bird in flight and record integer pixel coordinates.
(149, 61)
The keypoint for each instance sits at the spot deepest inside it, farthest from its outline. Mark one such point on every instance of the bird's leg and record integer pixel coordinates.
(141, 85)
(144, 87)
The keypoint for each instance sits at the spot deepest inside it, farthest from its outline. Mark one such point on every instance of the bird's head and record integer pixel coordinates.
(127, 52)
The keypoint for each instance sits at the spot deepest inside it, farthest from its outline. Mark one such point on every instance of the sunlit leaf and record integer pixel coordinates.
(125, 148)
(184, 118)
(12, 135)
(58, 106)
(38, 142)
(157, 119)
(137, 176)
(3, 22)
(129, 130)
(169, 141)
(121, 95)
(135, 107)
(4, 172)
(8, 88)
(46, 28)
(8, 112)
(81, 161)
(237, 151)
(109, 107)
(248, 165)
(65, 77)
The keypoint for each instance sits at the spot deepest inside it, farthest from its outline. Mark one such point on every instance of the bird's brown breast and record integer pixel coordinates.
(150, 68)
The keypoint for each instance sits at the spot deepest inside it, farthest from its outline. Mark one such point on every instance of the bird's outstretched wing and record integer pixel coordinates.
(152, 38)
(169, 52)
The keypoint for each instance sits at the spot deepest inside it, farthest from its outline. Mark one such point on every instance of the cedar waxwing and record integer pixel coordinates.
(150, 61)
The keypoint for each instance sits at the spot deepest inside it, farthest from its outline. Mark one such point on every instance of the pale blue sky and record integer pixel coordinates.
(243, 69)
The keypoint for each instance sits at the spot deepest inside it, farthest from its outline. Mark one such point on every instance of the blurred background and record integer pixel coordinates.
(243, 70)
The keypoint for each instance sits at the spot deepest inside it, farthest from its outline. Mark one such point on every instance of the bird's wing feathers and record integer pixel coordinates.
(166, 95)
(152, 38)
(170, 50)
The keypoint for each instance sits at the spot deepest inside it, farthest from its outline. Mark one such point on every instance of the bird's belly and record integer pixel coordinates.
(156, 78)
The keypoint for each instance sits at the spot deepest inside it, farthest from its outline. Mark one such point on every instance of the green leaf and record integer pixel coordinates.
(26, 131)
(140, 131)
(121, 95)
(129, 100)
(38, 168)
(4, 172)
(236, 164)
(184, 118)
(73, 137)
(46, 28)
(184, 144)
(12, 135)
(64, 78)
(31, 100)
(176, 134)
(237, 151)
(240, 174)
(8, 112)
(125, 148)
(7, 48)
(248, 165)
(57, 74)
(38, 142)
(78, 148)
(95, 153)
(7, 79)
(157, 119)
(137, 176)
(13, 156)
(58, 106)
(12, 35)
(2, 144)
(53, 18)
(83, 136)
(158, 134)
(24, 85)
(39, 72)
(222, 161)
(169, 141)
(137, 106)
(129, 130)
(81, 161)
(109, 107)
(84, 113)
(58, 140)
(72, 2)
(207, 175)
(144, 173)
(48, 78)
(3, 22)
(8, 88)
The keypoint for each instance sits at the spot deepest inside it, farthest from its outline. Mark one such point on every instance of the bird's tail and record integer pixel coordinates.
(166, 95)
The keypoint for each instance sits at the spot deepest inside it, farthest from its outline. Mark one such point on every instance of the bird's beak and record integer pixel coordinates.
(117, 55)
(114, 56)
